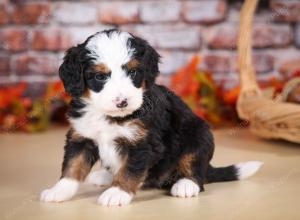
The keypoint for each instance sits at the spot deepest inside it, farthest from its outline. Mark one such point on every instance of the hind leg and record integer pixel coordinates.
(189, 176)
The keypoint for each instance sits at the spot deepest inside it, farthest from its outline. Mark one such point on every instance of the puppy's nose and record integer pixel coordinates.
(122, 103)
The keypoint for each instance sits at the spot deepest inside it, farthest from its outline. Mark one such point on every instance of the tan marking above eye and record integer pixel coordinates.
(132, 64)
(101, 68)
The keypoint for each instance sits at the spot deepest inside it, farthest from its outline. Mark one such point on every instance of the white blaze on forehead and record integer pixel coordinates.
(112, 49)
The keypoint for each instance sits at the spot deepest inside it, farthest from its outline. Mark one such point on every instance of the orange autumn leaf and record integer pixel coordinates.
(203, 94)
(199, 112)
(295, 74)
(184, 82)
(231, 96)
(10, 94)
(26, 102)
(56, 90)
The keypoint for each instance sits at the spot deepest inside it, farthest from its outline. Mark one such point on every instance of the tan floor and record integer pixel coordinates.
(29, 163)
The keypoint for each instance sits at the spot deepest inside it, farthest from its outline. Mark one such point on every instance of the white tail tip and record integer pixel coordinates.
(247, 169)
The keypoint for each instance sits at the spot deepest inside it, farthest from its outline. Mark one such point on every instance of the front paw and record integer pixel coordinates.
(63, 190)
(114, 196)
(185, 188)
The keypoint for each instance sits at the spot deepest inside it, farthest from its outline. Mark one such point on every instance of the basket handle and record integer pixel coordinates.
(247, 73)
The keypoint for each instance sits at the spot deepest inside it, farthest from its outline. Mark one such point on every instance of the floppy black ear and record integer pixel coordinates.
(72, 69)
(151, 61)
(149, 58)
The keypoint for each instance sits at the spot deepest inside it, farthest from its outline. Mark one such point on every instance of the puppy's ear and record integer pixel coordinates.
(72, 69)
(151, 61)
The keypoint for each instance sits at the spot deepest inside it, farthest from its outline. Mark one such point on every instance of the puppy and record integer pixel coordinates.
(142, 133)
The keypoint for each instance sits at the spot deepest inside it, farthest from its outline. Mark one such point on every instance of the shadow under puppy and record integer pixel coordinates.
(143, 134)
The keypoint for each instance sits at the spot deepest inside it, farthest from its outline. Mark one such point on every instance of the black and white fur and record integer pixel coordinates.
(142, 133)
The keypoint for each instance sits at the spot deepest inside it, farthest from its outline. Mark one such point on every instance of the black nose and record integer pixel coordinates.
(122, 104)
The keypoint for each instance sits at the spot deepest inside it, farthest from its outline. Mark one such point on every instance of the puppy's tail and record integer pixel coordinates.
(234, 172)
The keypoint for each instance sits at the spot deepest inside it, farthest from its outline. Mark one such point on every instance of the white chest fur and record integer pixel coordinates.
(104, 133)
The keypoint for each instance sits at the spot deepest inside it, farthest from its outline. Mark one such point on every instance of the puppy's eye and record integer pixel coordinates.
(132, 72)
(101, 77)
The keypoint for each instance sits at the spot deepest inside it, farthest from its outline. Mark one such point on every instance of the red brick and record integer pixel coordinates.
(265, 79)
(51, 39)
(119, 12)
(205, 11)
(13, 39)
(264, 36)
(227, 81)
(297, 35)
(286, 10)
(4, 65)
(80, 34)
(31, 13)
(6, 81)
(75, 13)
(35, 89)
(4, 2)
(164, 80)
(221, 36)
(171, 61)
(290, 66)
(217, 62)
(226, 62)
(3, 14)
(170, 36)
(160, 11)
(284, 55)
(272, 36)
(263, 63)
(35, 64)
(22, 1)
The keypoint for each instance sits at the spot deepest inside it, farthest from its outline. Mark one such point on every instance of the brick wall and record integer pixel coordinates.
(34, 34)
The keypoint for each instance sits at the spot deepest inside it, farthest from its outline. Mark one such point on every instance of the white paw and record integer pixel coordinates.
(114, 196)
(63, 190)
(185, 188)
(100, 178)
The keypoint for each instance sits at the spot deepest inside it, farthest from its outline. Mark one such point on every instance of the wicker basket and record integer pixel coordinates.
(268, 118)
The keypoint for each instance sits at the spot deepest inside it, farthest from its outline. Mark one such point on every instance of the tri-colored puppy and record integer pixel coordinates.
(142, 133)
